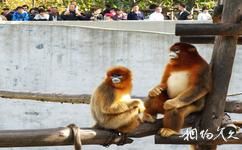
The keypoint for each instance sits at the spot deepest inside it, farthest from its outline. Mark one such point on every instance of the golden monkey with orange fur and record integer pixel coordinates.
(185, 83)
(111, 104)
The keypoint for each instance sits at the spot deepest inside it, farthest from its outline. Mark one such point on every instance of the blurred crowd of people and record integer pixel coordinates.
(72, 12)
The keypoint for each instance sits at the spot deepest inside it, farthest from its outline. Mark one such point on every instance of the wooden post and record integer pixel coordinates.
(226, 29)
(222, 64)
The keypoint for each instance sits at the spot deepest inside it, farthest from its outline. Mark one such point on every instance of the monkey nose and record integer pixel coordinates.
(173, 55)
(116, 80)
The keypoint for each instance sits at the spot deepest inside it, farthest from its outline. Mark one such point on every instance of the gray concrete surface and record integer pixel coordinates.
(72, 59)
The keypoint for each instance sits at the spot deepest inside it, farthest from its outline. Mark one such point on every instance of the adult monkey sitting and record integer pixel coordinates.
(185, 83)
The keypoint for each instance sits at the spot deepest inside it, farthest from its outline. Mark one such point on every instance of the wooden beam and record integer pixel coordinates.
(61, 98)
(55, 137)
(226, 29)
(222, 64)
(202, 39)
(64, 135)
(231, 106)
(91, 136)
(199, 139)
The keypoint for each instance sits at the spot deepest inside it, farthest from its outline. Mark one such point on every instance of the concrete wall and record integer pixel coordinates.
(73, 59)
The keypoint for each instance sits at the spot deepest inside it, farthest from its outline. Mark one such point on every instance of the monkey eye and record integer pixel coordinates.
(177, 51)
(117, 76)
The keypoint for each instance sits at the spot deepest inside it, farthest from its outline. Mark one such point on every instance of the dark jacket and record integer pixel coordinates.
(57, 17)
(183, 15)
(71, 16)
(136, 16)
(8, 16)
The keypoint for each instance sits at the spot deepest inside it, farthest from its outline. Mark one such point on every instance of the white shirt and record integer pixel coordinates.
(204, 16)
(156, 17)
(38, 16)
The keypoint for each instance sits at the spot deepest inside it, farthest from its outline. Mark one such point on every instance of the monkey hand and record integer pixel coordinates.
(170, 104)
(137, 103)
(141, 117)
(156, 91)
(141, 107)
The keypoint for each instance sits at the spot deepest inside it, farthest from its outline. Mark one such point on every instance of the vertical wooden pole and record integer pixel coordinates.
(222, 64)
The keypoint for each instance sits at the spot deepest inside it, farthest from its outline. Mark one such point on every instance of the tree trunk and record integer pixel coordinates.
(222, 64)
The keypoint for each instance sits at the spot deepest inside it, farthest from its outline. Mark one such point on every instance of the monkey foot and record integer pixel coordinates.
(166, 132)
(148, 118)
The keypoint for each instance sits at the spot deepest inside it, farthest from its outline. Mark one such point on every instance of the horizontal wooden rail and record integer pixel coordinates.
(44, 97)
(202, 39)
(64, 135)
(208, 29)
(91, 136)
(231, 106)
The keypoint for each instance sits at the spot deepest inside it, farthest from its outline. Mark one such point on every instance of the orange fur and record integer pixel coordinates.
(186, 80)
(111, 105)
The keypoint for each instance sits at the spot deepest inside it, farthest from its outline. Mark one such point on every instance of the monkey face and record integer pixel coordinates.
(119, 77)
(174, 54)
(116, 78)
(182, 52)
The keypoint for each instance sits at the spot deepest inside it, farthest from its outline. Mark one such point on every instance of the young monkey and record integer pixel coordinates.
(111, 104)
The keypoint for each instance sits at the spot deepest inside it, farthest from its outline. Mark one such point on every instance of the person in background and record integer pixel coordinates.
(96, 14)
(7, 13)
(42, 16)
(156, 15)
(110, 14)
(48, 10)
(54, 14)
(108, 17)
(33, 12)
(26, 8)
(217, 14)
(3, 18)
(71, 13)
(183, 13)
(41, 7)
(135, 14)
(204, 15)
(120, 15)
(73, 3)
(107, 9)
(166, 13)
(20, 14)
